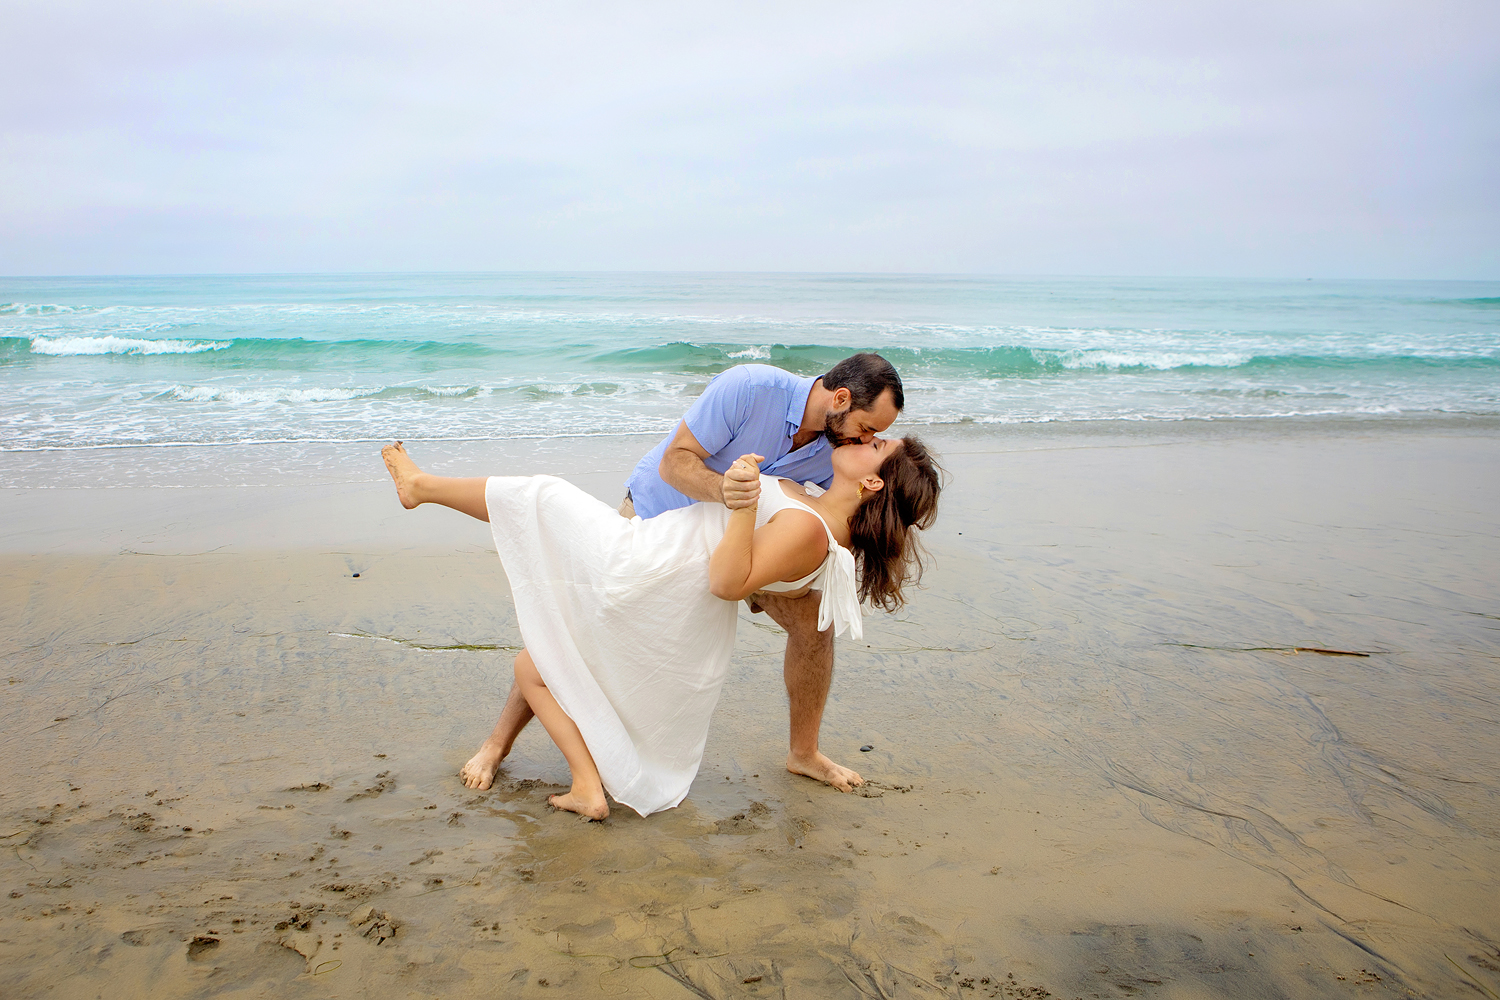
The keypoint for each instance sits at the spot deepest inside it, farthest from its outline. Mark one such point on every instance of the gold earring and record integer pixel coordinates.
(861, 495)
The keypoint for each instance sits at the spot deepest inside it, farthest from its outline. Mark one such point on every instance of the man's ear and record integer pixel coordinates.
(841, 399)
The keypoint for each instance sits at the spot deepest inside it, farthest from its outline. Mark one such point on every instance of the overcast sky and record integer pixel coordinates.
(1302, 139)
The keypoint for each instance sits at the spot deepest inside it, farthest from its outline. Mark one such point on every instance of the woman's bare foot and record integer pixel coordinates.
(590, 805)
(821, 768)
(479, 773)
(404, 471)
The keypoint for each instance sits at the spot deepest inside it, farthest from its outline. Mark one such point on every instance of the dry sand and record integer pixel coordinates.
(1101, 765)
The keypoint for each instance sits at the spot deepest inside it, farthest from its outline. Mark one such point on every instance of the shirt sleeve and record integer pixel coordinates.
(715, 417)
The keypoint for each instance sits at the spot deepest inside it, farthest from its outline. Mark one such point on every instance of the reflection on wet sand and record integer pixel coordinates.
(1106, 759)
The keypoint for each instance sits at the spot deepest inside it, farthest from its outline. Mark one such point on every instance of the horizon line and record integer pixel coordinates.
(970, 275)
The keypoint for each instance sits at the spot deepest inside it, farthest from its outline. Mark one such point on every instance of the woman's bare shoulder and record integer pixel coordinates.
(795, 528)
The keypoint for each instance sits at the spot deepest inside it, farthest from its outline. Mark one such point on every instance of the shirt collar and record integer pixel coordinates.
(798, 407)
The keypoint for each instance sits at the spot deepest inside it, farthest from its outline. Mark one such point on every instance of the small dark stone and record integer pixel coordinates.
(866, 748)
(356, 576)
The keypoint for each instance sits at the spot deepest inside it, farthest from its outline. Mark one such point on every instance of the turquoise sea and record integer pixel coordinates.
(154, 362)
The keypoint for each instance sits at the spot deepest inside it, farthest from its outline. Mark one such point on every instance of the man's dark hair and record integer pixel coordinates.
(866, 376)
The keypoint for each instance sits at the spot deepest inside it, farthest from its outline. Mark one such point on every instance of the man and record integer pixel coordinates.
(794, 422)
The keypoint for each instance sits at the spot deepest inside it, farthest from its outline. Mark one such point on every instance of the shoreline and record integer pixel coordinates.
(1095, 745)
(298, 464)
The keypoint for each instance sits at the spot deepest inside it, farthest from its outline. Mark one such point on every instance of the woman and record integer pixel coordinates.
(629, 625)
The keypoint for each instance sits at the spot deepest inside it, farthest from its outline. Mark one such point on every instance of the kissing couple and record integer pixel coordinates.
(774, 489)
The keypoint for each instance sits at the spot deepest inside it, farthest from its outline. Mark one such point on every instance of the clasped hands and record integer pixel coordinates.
(741, 486)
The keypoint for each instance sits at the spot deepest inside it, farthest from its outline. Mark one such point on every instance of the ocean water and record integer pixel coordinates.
(105, 363)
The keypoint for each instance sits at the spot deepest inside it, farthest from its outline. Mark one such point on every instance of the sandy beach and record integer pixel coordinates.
(1184, 710)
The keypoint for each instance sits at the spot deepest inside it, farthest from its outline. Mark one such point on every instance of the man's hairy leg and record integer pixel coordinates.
(808, 672)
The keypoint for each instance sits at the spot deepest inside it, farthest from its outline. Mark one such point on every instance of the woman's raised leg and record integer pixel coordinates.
(586, 797)
(415, 487)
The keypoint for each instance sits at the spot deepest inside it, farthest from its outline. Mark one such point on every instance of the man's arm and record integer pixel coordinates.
(682, 469)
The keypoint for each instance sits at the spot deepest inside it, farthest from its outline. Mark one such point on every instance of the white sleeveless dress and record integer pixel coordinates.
(619, 619)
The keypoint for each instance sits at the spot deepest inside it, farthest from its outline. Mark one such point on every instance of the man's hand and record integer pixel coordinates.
(741, 487)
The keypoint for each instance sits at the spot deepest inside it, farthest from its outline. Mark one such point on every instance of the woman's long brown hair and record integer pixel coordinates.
(882, 527)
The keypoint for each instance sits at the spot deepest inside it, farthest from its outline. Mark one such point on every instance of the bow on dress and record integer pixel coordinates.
(839, 605)
(840, 602)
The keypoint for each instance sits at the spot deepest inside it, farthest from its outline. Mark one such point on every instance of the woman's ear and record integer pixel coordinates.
(872, 484)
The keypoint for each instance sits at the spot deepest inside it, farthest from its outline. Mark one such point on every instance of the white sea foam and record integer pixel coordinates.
(110, 344)
(278, 394)
(457, 391)
(1160, 361)
(753, 354)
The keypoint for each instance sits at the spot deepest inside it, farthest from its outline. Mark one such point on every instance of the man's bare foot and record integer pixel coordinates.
(589, 805)
(480, 771)
(821, 768)
(404, 471)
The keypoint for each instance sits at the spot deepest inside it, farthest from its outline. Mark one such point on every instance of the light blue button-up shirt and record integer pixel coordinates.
(747, 408)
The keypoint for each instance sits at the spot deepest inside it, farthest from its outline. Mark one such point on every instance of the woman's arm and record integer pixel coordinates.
(746, 560)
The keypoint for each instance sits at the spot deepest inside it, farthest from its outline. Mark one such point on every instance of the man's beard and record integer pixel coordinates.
(833, 426)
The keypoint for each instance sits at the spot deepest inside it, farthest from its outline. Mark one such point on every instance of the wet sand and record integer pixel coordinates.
(1106, 761)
